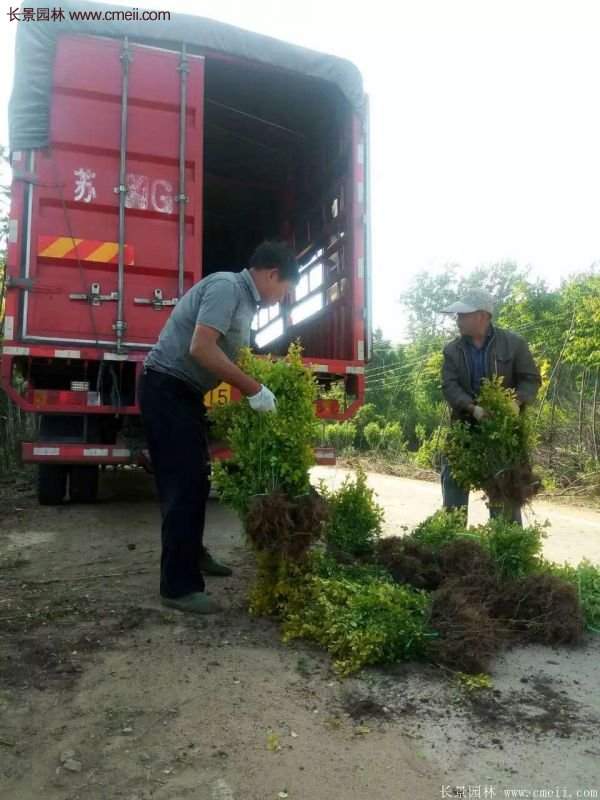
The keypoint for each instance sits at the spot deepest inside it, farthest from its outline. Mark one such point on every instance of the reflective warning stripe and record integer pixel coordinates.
(46, 451)
(9, 327)
(83, 249)
(67, 354)
(79, 450)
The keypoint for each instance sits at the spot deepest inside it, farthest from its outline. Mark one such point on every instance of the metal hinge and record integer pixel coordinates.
(156, 301)
(26, 177)
(95, 297)
(19, 283)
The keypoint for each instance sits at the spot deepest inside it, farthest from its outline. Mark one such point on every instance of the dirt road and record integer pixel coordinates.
(105, 695)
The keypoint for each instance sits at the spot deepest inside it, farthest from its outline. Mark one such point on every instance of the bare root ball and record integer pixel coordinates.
(468, 636)
(409, 561)
(542, 609)
(287, 527)
(467, 558)
(515, 485)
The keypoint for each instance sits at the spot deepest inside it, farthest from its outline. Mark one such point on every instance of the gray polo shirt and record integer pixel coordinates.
(226, 301)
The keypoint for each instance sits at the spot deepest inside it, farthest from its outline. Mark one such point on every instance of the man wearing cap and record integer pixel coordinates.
(482, 351)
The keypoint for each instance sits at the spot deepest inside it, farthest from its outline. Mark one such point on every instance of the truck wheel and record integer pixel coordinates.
(83, 484)
(52, 484)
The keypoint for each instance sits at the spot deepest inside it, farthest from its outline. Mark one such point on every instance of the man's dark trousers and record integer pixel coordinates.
(175, 422)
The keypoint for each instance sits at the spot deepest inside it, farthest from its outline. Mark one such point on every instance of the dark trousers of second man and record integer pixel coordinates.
(176, 428)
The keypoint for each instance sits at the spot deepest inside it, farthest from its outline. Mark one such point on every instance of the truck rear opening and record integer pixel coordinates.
(163, 164)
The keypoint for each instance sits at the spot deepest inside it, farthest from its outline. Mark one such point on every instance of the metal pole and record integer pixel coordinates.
(120, 325)
(183, 70)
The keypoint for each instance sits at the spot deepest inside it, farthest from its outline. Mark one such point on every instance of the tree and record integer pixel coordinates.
(428, 294)
(539, 315)
(424, 299)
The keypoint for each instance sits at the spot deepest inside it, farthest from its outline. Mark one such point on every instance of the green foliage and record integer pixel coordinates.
(365, 415)
(373, 435)
(586, 578)
(340, 435)
(429, 293)
(355, 517)
(275, 579)
(334, 391)
(477, 453)
(271, 451)
(516, 550)
(441, 528)
(582, 299)
(358, 622)
(474, 683)
(325, 565)
(431, 448)
(392, 440)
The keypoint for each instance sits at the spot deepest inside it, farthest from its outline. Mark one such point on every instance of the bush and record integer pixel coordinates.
(441, 528)
(271, 451)
(428, 456)
(516, 550)
(373, 435)
(392, 440)
(366, 415)
(586, 579)
(359, 622)
(355, 518)
(340, 435)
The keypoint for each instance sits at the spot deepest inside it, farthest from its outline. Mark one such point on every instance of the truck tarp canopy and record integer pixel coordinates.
(29, 108)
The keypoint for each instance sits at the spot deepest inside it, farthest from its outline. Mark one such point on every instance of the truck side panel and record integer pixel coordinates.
(74, 223)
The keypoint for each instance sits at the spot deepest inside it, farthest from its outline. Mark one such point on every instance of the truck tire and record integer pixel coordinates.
(83, 484)
(52, 484)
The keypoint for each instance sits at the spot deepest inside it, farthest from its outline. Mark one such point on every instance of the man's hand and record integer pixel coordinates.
(479, 413)
(263, 401)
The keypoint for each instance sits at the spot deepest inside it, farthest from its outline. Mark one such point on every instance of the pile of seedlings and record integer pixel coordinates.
(445, 592)
(489, 586)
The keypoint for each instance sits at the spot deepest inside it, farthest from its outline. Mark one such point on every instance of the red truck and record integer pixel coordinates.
(145, 155)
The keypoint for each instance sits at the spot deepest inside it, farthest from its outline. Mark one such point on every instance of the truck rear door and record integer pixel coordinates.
(71, 269)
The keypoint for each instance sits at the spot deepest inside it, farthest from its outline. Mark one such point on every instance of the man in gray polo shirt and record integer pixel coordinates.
(196, 350)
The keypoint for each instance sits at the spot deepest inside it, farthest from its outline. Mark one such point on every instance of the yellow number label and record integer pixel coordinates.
(219, 396)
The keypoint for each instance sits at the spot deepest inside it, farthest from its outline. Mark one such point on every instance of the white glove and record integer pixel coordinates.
(515, 407)
(479, 413)
(263, 401)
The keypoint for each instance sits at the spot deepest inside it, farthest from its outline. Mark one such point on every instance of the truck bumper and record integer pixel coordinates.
(73, 453)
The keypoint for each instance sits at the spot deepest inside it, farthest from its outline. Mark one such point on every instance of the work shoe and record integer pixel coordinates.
(195, 603)
(209, 566)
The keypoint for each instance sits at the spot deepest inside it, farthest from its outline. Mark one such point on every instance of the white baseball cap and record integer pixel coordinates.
(476, 300)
